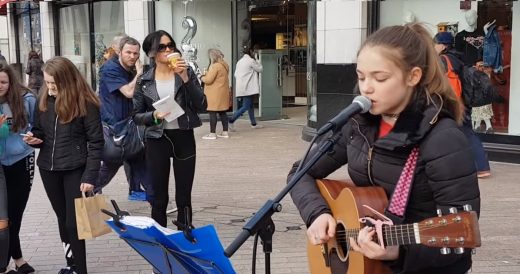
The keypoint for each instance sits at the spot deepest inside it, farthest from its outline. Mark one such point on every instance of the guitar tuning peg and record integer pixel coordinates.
(467, 207)
(459, 250)
(445, 251)
(453, 210)
(439, 212)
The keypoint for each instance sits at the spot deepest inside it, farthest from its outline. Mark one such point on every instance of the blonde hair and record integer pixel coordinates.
(411, 46)
(74, 91)
(215, 55)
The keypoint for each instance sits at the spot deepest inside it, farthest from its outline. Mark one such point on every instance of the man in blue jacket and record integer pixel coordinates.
(118, 77)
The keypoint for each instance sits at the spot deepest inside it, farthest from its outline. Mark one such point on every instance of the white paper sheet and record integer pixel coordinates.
(168, 104)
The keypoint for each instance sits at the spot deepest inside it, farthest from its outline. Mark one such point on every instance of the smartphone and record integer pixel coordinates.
(25, 135)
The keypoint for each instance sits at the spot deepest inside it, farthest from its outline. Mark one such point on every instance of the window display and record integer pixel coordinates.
(483, 37)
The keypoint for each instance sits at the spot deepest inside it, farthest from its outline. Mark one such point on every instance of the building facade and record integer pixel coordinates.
(308, 47)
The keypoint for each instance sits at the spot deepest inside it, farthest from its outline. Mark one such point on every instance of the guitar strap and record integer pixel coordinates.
(399, 200)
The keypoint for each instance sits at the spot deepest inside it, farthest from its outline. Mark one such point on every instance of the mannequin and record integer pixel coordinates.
(483, 113)
(408, 17)
(470, 41)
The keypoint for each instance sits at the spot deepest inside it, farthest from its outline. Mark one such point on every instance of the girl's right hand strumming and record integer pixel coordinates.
(31, 140)
(322, 229)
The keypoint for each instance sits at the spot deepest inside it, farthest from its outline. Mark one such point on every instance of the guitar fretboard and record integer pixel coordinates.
(392, 235)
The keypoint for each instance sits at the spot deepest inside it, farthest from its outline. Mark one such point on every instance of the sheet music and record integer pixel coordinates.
(146, 222)
(168, 104)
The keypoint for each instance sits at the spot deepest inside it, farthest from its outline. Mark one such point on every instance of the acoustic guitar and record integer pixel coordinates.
(353, 205)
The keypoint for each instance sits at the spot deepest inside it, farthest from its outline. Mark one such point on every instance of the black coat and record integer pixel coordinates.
(445, 175)
(72, 145)
(189, 96)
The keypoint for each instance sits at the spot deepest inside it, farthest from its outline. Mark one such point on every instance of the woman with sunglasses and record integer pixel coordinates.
(174, 139)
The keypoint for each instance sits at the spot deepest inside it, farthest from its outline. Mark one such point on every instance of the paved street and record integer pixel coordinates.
(234, 178)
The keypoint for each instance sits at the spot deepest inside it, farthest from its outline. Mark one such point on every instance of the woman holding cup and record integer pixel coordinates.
(170, 75)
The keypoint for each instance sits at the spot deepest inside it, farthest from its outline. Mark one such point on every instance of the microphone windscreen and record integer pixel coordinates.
(364, 102)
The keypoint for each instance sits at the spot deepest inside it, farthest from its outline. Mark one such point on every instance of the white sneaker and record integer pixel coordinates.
(257, 126)
(224, 134)
(211, 136)
(231, 127)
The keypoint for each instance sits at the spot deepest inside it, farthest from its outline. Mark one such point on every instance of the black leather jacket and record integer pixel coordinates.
(189, 96)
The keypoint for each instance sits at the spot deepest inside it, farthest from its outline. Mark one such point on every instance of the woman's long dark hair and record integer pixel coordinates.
(153, 40)
(14, 97)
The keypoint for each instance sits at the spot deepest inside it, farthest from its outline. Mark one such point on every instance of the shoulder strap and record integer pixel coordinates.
(399, 200)
(448, 62)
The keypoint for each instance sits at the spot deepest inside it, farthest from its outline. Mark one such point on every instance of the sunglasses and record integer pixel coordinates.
(162, 47)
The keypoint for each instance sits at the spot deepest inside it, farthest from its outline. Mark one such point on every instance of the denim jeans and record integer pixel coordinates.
(135, 170)
(247, 105)
(479, 153)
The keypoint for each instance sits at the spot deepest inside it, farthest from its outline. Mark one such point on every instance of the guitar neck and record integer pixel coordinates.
(406, 234)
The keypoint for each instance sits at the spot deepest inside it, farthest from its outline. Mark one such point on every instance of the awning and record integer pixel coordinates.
(3, 6)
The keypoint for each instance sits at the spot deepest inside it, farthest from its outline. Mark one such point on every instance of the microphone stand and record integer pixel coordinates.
(261, 223)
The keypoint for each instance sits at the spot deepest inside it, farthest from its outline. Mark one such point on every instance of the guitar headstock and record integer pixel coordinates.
(458, 230)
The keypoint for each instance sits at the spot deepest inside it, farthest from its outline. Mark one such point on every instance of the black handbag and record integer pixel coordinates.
(123, 141)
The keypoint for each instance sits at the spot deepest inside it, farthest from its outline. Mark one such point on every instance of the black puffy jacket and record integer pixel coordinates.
(445, 176)
(189, 96)
(71, 145)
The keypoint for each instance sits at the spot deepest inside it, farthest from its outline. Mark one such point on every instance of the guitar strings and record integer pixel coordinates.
(398, 233)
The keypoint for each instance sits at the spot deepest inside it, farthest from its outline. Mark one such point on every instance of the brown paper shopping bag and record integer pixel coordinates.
(89, 218)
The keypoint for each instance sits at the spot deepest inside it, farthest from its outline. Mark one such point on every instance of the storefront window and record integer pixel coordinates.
(312, 116)
(29, 30)
(76, 43)
(197, 26)
(75, 38)
(474, 26)
(108, 23)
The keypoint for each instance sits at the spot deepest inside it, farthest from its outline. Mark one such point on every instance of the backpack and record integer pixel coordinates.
(478, 90)
(453, 77)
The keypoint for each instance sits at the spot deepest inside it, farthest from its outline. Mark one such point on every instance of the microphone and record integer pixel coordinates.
(360, 104)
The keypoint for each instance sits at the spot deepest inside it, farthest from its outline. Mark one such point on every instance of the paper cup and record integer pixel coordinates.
(173, 58)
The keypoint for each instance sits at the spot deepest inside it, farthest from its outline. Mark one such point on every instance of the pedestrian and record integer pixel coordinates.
(444, 47)
(174, 139)
(414, 115)
(4, 223)
(216, 89)
(247, 86)
(34, 70)
(67, 130)
(108, 54)
(2, 58)
(17, 105)
(118, 77)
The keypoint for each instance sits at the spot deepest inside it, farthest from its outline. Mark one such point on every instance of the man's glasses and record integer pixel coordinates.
(162, 47)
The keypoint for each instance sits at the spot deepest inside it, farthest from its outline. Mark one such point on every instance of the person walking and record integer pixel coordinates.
(34, 70)
(247, 86)
(444, 47)
(414, 119)
(67, 129)
(118, 77)
(174, 139)
(216, 89)
(17, 104)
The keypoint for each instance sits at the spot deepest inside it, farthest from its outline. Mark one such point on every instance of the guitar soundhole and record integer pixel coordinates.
(342, 242)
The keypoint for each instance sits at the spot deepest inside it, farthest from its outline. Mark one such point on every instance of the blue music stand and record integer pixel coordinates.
(169, 251)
